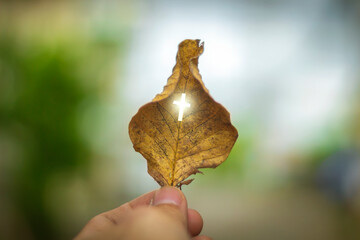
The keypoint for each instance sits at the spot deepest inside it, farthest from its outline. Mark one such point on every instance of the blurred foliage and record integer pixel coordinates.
(42, 89)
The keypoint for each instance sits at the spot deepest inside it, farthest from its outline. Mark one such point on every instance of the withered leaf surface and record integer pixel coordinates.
(176, 146)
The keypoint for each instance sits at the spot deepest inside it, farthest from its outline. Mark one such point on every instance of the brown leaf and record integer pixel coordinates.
(176, 147)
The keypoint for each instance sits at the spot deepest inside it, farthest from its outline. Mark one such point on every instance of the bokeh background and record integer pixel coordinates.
(73, 73)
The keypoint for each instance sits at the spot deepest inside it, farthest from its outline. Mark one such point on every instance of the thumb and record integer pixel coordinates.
(172, 202)
(165, 219)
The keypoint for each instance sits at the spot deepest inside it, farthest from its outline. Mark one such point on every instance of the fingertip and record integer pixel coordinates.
(170, 195)
(195, 222)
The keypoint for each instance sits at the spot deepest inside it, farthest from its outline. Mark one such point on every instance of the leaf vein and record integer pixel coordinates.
(159, 132)
(198, 152)
(167, 124)
(192, 130)
(205, 139)
(167, 157)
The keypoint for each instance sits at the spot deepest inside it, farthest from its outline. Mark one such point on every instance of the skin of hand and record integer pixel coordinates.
(162, 215)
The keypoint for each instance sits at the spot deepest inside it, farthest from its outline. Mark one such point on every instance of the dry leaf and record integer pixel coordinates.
(176, 146)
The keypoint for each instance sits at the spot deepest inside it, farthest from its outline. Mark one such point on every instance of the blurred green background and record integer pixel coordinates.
(73, 73)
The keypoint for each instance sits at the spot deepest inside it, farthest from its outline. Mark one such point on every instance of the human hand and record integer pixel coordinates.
(158, 215)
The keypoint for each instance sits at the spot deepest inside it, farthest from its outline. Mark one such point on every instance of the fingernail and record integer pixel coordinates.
(168, 195)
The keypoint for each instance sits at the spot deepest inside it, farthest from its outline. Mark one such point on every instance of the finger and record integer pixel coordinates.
(201, 238)
(143, 200)
(161, 222)
(195, 222)
(172, 196)
(117, 214)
